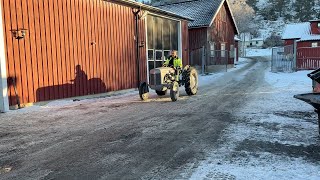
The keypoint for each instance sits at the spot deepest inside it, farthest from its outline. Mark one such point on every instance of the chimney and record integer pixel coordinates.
(315, 26)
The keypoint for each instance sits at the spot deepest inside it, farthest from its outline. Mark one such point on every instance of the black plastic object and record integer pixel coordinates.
(315, 75)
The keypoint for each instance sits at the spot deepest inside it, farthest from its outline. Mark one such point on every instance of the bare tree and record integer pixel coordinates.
(244, 15)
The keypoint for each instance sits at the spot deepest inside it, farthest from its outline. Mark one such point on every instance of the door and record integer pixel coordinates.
(162, 37)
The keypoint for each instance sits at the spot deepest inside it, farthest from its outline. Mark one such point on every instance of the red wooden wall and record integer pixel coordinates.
(97, 35)
(288, 42)
(197, 38)
(314, 27)
(185, 42)
(223, 30)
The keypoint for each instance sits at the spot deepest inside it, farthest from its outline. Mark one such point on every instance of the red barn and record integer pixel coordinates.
(213, 28)
(307, 37)
(53, 49)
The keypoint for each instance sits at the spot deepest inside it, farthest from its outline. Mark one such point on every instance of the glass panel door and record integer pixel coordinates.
(162, 37)
(159, 58)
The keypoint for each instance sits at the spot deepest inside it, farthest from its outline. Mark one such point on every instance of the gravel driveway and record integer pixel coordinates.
(126, 138)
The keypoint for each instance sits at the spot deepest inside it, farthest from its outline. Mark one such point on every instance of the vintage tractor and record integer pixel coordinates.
(163, 79)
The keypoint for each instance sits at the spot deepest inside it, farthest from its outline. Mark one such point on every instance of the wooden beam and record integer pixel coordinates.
(4, 102)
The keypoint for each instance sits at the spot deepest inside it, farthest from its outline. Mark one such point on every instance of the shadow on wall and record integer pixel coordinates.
(14, 99)
(79, 86)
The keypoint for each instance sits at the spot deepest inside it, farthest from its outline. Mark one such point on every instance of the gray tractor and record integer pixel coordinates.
(163, 79)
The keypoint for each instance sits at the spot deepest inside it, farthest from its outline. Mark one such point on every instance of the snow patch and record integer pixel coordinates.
(258, 52)
(271, 121)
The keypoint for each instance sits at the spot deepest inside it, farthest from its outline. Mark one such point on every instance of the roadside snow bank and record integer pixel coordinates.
(258, 52)
(212, 77)
(274, 137)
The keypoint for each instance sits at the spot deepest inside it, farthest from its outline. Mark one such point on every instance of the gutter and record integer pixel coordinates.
(145, 7)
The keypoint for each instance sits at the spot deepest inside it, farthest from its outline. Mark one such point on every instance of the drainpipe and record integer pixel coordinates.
(136, 15)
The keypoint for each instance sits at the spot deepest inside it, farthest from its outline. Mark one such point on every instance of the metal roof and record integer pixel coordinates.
(310, 38)
(202, 11)
(152, 9)
(296, 30)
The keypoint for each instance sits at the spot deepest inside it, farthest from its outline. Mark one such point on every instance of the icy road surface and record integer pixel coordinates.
(243, 124)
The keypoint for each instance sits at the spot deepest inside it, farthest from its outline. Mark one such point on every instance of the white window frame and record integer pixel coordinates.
(223, 50)
(314, 44)
(212, 49)
(232, 51)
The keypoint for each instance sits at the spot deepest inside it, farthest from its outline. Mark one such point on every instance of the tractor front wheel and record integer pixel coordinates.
(144, 91)
(174, 92)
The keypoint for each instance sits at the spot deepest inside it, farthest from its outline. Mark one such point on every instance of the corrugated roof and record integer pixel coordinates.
(142, 6)
(296, 30)
(310, 38)
(202, 11)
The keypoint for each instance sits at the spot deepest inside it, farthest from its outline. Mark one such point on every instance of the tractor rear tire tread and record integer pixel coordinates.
(189, 90)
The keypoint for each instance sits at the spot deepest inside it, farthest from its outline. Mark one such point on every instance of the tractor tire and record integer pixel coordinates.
(144, 91)
(191, 84)
(174, 92)
(161, 93)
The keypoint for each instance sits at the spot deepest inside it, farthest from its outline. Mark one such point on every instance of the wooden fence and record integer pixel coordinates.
(308, 58)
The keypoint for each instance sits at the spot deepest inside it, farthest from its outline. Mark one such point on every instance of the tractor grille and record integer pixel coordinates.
(155, 79)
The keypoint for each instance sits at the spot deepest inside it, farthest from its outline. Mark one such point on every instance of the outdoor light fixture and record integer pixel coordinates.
(141, 44)
(19, 33)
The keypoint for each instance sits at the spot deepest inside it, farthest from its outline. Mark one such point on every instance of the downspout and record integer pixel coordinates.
(136, 15)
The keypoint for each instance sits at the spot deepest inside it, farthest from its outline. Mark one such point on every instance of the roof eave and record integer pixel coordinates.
(142, 6)
(197, 27)
(290, 38)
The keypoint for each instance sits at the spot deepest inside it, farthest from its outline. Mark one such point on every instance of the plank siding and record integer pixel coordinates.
(197, 38)
(222, 31)
(185, 43)
(96, 35)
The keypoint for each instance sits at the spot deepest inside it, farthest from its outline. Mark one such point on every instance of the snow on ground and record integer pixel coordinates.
(211, 77)
(121, 96)
(275, 136)
(258, 52)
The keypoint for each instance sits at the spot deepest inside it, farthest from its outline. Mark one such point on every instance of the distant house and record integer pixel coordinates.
(307, 38)
(256, 42)
(213, 28)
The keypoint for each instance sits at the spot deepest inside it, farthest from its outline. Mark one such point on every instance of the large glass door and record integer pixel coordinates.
(162, 37)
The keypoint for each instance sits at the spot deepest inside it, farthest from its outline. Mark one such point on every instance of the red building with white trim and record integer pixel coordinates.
(307, 38)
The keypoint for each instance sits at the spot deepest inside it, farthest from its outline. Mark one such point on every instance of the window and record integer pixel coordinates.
(257, 42)
(223, 50)
(232, 52)
(212, 49)
(318, 25)
(162, 36)
(315, 44)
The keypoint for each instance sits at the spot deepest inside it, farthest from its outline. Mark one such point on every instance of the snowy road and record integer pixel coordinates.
(221, 132)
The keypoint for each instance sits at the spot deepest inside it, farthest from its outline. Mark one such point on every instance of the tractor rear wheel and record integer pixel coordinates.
(191, 84)
(161, 93)
(144, 91)
(174, 92)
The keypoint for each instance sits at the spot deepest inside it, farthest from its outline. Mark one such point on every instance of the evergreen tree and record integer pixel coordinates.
(253, 4)
(304, 10)
(279, 6)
